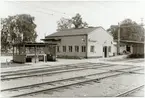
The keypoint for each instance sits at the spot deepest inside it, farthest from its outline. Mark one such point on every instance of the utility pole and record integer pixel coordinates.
(118, 42)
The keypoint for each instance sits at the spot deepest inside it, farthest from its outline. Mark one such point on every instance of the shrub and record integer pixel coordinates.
(136, 56)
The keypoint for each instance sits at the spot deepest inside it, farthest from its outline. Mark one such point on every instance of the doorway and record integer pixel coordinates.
(105, 51)
(128, 48)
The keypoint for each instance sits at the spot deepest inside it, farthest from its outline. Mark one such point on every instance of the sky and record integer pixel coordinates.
(95, 13)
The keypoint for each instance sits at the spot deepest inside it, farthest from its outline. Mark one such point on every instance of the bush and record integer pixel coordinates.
(136, 56)
(69, 57)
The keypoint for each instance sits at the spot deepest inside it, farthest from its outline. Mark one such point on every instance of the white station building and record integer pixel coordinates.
(89, 42)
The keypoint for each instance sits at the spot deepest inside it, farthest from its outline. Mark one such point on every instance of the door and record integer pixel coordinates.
(128, 48)
(105, 51)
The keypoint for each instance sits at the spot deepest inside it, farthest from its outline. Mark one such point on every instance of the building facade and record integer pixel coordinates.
(131, 47)
(84, 43)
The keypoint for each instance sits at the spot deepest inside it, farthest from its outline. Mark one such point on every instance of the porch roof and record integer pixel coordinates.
(130, 41)
(33, 44)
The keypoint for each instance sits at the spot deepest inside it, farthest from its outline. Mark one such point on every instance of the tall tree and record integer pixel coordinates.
(64, 24)
(74, 22)
(77, 21)
(18, 28)
(129, 30)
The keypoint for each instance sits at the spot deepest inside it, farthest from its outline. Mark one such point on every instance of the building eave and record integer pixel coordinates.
(130, 41)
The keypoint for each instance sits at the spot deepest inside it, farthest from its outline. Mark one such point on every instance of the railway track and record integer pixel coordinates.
(51, 85)
(53, 71)
(50, 67)
(46, 69)
(49, 72)
(125, 94)
(34, 69)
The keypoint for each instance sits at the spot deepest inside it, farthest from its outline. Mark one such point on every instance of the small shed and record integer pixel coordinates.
(34, 52)
(136, 47)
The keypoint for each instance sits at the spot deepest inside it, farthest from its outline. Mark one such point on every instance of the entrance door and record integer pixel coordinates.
(128, 48)
(105, 51)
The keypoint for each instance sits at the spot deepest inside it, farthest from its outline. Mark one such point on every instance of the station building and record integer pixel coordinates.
(88, 42)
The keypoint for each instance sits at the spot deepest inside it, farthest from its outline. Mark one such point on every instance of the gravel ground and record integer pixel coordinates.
(34, 80)
(40, 79)
(109, 87)
(139, 93)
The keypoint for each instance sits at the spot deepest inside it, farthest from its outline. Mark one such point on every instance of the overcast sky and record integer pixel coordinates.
(95, 13)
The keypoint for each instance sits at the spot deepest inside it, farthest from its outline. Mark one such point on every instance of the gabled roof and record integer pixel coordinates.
(71, 32)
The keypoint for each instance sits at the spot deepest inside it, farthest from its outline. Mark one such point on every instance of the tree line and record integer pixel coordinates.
(17, 28)
(21, 28)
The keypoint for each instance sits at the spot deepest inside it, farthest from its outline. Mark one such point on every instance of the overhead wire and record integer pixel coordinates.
(40, 11)
(49, 9)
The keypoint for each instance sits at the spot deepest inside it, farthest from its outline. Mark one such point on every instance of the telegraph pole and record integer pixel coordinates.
(118, 41)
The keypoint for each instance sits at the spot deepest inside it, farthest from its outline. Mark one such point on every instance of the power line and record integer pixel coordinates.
(39, 10)
(50, 9)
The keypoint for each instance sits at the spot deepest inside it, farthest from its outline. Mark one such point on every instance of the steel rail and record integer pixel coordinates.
(22, 87)
(85, 81)
(58, 66)
(55, 72)
(46, 70)
(130, 91)
(52, 81)
(131, 71)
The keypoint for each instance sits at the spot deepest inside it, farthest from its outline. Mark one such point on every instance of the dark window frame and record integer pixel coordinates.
(83, 48)
(76, 48)
(92, 48)
(58, 48)
(109, 49)
(70, 48)
(64, 48)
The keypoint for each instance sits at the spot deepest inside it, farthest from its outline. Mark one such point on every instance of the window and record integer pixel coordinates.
(103, 49)
(109, 49)
(64, 48)
(83, 48)
(92, 49)
(58, 50)
(70, 48)
(76, 48)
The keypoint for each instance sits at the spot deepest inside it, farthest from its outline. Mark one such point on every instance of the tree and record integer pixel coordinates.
(74, 22)
(77, 21)
(64, 24)
(18, 28)
(129, 30)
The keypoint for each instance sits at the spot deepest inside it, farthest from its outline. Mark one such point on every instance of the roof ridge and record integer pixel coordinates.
(74, 31)
(78, 28)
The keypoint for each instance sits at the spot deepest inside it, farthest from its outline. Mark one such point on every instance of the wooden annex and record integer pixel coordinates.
(34, 52)
(137, 46)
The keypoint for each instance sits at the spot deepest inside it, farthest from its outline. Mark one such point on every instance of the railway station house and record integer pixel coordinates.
(91, 42)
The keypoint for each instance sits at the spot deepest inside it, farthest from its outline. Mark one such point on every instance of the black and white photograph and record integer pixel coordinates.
(68, 49)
